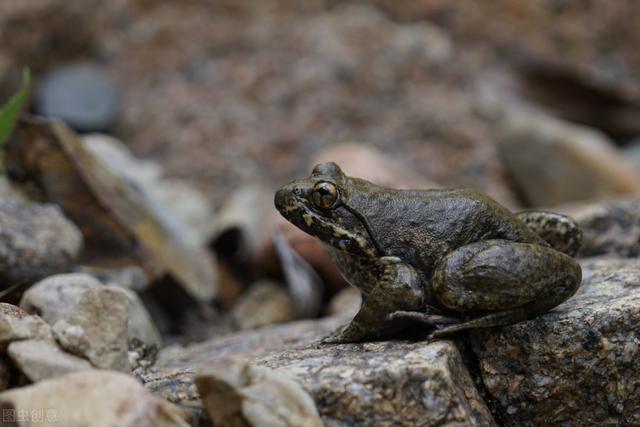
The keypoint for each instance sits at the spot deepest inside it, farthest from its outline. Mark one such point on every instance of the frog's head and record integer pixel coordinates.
(319, 205)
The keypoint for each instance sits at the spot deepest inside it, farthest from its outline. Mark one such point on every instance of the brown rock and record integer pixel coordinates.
(264, 303)
(90, 399)
(553, 162)
(576, 365)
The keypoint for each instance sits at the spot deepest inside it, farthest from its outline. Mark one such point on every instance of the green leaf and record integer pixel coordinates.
(10, 112)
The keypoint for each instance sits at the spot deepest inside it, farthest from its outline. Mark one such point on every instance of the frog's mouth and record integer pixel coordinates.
(327, 225)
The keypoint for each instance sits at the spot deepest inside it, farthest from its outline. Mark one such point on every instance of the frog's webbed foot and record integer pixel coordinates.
(397, 288)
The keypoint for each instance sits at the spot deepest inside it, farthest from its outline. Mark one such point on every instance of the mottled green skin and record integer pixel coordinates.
(452, 259)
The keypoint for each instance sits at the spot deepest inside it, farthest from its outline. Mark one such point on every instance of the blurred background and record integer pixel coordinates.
(535, 103)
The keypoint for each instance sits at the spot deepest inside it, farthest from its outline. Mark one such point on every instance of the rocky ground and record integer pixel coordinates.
(145, 276)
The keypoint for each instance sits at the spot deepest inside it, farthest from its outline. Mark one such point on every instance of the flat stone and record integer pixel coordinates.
(80, 94)
(384, 383)
(16, 324)
(96, 329)
(579, 163)
(56, 297)
(90, 399)
(36, 241)
(39, 359)
(576, 365)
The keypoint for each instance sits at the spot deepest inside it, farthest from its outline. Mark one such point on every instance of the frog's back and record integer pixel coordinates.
(425, 225)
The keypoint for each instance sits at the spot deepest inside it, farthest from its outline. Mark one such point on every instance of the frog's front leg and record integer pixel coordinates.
(398, 287)
(499, 282)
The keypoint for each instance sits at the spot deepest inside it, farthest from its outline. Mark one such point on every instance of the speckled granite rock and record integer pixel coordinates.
(385, 383)
(577, 365)
(35, 241)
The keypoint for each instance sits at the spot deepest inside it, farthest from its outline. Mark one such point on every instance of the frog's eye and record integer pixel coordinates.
(325, 195)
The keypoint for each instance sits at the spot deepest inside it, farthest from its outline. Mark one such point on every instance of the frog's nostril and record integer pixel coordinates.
(278, 199)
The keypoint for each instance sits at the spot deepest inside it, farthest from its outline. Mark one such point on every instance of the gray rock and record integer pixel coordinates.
(96, 329)
(576, 365)
(16, 324)
(39, 359)
(611, 227)
(80, 94)
(384, 383)
(264, 303)
(55, 298)
(35, 241)
(92, 398)
(553, 162)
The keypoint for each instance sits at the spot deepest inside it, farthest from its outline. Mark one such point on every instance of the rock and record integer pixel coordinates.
(611, 227)
(576, 365)
(579, 163)
(235, 393)
(130, 277)
(96, 329)
(80, 94)
(36, 241)
(382, 383)
(90, 399)
(16, 324)
(39, 359)
(55, 298)
(176, 197)
(264, 303)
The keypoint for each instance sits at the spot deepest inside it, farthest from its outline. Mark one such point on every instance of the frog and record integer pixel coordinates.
(449, 260)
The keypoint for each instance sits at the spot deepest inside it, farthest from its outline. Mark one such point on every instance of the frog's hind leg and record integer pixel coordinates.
(503, 282)
(559, 231)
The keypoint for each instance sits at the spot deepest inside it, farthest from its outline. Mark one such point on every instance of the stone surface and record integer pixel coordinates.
(235, 393)
(36, 241)
(80, 94)
(553, 162)
(56, 297)
(383, 383)
(576, 365)
(16, 324)
(96, 329)
(264, 303)
(611, 227)
(39, 359)
(90, 399)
